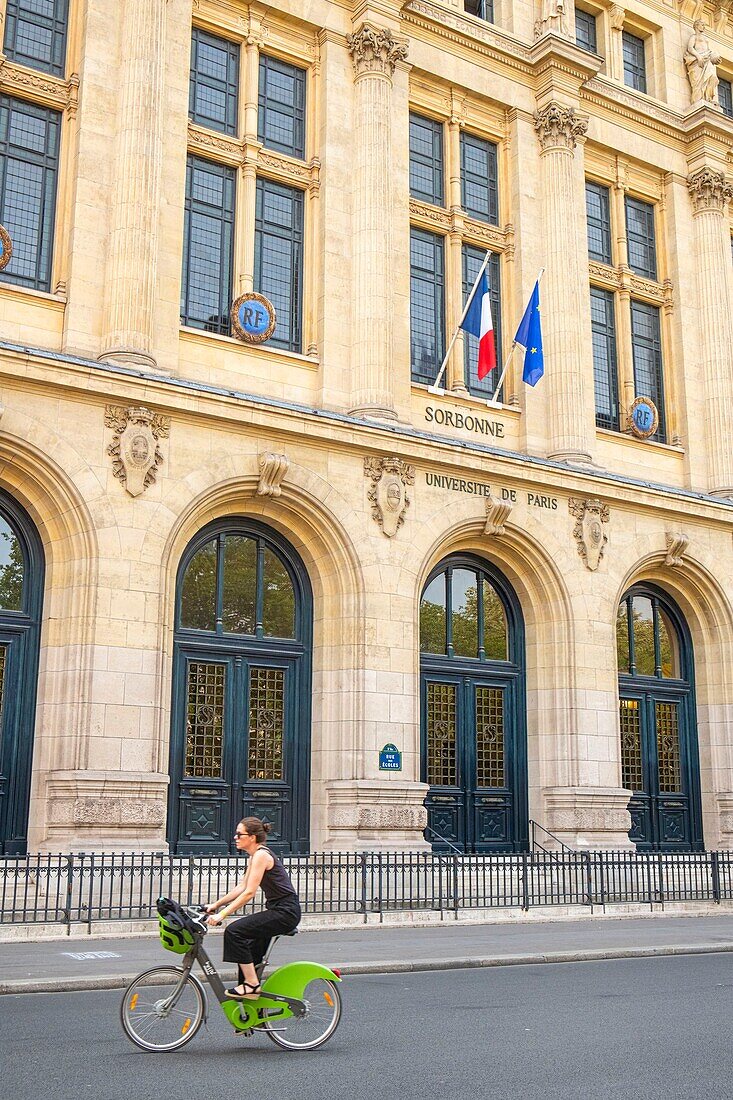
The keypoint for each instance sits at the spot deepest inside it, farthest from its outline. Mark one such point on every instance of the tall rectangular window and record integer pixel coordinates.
(605, 371)
(585, 31)
(598, 210)
(725, 97)
(482, 9)
(29, 159)
(35, 34)
(427, 304)
(646, 342)
(640, 237)
(208, 236)
(479, 185)
(279, 258)
(472, 261)
(634, 62)
(212, 96)
(426, 160)
(281, 111)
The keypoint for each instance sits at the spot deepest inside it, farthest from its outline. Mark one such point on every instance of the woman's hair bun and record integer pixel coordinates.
(267, 827)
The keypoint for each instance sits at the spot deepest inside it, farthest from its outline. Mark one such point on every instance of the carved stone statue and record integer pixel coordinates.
(700, 61)
(554, 19)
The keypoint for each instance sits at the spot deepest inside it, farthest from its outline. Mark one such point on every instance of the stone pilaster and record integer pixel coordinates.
(375, 53)
(711, 194)
(564, 289)
(133, 250)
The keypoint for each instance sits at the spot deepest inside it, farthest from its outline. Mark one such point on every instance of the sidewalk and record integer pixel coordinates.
(77, 964)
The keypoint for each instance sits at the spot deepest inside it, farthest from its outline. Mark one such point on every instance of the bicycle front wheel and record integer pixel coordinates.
(319, 1023)
(163, 1008)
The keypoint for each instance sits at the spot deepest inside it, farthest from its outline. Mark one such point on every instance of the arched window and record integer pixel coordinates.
(21, 591)
(659, 754)
(463, 615)
(241, 699)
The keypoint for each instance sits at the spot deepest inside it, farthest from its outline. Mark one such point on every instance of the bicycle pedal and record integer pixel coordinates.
(248, 1033)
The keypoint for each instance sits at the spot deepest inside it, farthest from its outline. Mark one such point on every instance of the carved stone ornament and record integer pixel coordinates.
(554, 19)
(273, 468)
(677, 543)
(375, 50)
(589, 532)
(709, 190)
(497, 513)
(388, 492)
(559, 127)
(134, 449)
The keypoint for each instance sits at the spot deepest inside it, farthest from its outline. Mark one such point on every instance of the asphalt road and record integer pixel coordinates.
(652, 1029)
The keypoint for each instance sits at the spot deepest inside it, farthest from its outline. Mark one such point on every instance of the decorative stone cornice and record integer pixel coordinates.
(709, 190)
(559, 127)
(51, 91)
(375, 50)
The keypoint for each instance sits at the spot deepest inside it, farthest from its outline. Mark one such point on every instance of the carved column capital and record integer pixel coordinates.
(709, 190)
(375, 50)
(559, 127)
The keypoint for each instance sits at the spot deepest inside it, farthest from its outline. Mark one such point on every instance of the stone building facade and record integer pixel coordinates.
(232, 574)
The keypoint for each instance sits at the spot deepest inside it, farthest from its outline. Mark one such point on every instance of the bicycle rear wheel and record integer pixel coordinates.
(161, 1011)
(319, 1023)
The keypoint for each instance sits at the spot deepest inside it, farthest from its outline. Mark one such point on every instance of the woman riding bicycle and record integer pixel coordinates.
(247, 939)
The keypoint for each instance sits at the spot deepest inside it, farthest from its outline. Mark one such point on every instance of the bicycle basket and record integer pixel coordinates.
(172, 922)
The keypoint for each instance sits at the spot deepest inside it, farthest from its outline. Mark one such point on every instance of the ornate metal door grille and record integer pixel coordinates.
(631, 767)
(668, 747)
(205, 720)
(490, 769)
(441, 735)
(266, 723)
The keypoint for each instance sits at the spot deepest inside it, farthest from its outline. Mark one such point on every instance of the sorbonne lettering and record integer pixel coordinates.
(455, 419)
(458, 484)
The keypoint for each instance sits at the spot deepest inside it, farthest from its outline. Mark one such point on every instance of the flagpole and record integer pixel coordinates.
(435, 388)
(492, 402)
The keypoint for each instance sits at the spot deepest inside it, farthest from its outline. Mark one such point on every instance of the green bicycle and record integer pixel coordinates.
(299, 1007)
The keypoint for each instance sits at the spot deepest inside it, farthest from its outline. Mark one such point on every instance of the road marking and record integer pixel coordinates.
(82, 955)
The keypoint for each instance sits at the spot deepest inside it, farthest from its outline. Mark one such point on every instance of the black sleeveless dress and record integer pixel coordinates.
(247, 939)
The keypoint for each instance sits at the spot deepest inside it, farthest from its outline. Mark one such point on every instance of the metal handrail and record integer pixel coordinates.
(534, 825)
(444, 840)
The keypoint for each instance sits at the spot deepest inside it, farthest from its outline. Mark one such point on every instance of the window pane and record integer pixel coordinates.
(490, 770)
(426, 305)
(482, 9)
(281, 115)
(240, 584)
(646, 345)
(214, 80)
(643, 636)
(479, 187)
(278, 614)
(29, 147)
(204, 720)
(668, 647)
(198, 592)
(725, 97)
(668, 746)
(598, 210)
(464, 595)
(473, 258)
(632, 777)
(495, 630)
(622, 638)
(35, 34)
(433, 617)
(585, 30)
(206, 292)
(266, 723)
(605, 375)
(426, 159)
(11, 569)
(279, 258)
(441, 735)
(634, 62)
(640, 237)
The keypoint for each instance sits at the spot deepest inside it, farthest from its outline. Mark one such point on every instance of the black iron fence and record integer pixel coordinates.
(84, 888)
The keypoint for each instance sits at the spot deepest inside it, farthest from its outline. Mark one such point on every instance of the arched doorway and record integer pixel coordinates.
(473, 723)
(21, 595)
(659, 752)
(240, 741)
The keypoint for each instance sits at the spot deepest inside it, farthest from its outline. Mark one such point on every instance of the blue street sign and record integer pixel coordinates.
(390, 759)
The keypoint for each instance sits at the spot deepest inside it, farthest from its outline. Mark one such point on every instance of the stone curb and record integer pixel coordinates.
(119, 981)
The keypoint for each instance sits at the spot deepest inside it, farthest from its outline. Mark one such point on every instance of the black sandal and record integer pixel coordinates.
(249, 990)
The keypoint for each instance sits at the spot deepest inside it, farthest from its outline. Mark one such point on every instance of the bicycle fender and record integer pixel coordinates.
(290, 980)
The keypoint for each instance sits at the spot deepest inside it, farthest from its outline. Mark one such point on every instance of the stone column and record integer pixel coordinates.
(711, 194)
(374, 52)
(132, 265)
(564, 288)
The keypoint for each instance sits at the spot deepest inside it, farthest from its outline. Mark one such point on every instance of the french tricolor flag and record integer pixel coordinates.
(478, 322)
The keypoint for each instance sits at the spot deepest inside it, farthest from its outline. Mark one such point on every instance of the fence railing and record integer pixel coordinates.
(84, 888)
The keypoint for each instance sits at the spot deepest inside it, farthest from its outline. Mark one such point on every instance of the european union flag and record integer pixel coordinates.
(529, 335)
